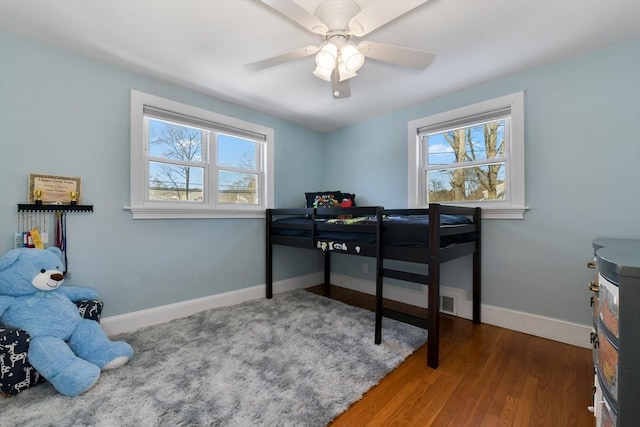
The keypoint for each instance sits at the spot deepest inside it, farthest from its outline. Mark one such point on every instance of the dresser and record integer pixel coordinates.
(616, 332)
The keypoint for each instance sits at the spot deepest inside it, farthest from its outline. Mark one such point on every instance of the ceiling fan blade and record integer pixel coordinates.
(404, 56)
(298, 15)
(378, 13)
(279, 59)
(340, 89)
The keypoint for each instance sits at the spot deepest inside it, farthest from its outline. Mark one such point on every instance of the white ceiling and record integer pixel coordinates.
(204, 45)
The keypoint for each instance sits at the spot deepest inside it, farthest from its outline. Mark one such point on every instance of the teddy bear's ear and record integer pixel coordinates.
(9, 258)
(56, 251)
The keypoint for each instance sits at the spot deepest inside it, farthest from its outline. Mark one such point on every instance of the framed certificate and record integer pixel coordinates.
(54, 190)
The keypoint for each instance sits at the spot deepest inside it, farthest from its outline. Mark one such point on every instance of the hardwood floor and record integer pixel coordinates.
(488, 376)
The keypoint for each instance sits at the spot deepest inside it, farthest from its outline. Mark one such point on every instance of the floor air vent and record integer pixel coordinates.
(448, 305)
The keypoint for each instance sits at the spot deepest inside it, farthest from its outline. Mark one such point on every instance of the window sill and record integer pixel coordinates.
(177, 213)
(504, 213)
(493, 212)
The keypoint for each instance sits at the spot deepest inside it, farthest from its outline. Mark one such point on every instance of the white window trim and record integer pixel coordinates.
(141, 208)
(513, 208)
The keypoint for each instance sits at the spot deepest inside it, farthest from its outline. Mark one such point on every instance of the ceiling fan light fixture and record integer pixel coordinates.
(351, 57)
(323, 72)
(344, 73)
(327, 56)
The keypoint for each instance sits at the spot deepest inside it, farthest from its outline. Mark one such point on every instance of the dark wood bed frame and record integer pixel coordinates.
(432, 256)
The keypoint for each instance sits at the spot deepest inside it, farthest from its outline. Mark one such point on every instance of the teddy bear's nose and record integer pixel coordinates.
(57, 277)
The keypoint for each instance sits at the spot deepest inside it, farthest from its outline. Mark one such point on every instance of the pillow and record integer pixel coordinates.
(322, 199)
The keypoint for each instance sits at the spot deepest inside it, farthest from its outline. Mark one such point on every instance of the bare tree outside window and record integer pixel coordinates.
(466, 164)
(177, 174)
(176, 168)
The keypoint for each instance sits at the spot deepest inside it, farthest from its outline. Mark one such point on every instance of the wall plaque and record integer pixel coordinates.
(54, 190)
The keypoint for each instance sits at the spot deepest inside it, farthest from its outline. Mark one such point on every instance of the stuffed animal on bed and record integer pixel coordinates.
(66, 349)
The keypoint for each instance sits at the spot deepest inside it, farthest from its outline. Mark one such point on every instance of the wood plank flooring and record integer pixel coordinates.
(488, 376)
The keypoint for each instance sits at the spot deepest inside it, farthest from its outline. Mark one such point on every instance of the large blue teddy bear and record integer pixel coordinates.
(66, 349)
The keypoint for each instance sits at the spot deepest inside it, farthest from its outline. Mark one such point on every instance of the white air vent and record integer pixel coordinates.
(448, 305)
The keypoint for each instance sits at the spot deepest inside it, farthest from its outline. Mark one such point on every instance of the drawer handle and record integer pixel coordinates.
(593, 286)
(591, 264)
(594, 340)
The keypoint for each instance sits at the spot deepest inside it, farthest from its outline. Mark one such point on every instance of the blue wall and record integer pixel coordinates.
(63, 114)
(582, 137)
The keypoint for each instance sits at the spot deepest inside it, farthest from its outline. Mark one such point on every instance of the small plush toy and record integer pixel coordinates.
(68, 350)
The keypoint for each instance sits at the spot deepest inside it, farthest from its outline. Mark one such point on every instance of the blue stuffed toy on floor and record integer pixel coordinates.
(66, 349)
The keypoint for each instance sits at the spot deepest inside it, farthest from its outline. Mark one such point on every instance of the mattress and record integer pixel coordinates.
(397, 230)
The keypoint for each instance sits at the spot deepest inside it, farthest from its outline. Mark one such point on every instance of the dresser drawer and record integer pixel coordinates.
(609, 418)
(607, 363)
(608, 305)
(606, 415)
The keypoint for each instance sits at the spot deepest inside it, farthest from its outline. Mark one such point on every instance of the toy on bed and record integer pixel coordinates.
(68, 350)
(329, 199)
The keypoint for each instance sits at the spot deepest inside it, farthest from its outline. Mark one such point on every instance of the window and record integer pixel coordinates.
(471, 156)
(191, 163)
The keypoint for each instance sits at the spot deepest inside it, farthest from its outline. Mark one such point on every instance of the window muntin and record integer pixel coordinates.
(191, 163)
(491, 177)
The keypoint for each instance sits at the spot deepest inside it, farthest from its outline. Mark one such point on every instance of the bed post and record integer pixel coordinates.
(327, 273)
(433, 313)
(379, 275)
(477, 272)
(269, 256)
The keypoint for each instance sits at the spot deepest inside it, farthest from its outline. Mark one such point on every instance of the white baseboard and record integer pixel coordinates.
(532, 324)
(540, 326)
(129, 322)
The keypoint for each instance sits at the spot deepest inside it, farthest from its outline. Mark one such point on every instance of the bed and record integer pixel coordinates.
(425, 236)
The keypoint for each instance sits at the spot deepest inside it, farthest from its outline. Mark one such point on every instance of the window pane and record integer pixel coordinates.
(174, 182)
(477, 142)
(236, 187)
(237, 152)
(467, 184)
(173, 141)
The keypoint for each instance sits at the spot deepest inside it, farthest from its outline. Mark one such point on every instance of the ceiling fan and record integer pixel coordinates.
(339, 22)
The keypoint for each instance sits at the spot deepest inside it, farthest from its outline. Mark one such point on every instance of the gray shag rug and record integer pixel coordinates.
(298, 359)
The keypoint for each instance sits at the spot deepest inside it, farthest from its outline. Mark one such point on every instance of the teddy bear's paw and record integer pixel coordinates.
(115, 363)
(76, 378)
(115, 354)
